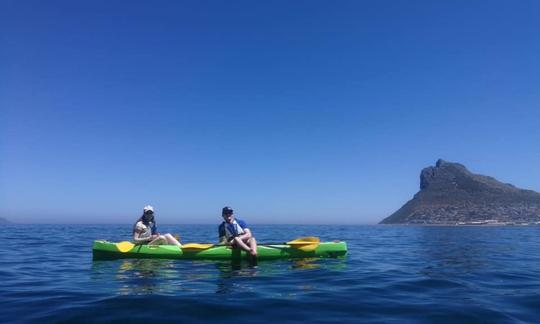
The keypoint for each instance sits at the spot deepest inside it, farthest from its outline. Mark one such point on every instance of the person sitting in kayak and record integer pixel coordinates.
(236, 233)
(145, 232)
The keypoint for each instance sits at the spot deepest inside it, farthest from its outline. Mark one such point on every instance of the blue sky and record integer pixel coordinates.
(289, 111)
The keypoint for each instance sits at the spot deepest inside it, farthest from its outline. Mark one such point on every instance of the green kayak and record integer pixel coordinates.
(104, 250)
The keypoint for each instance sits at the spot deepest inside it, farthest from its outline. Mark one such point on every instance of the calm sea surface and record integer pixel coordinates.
(406, 274)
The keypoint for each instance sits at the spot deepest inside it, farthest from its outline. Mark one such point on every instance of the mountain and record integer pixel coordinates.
(451, 194)
(4, 221)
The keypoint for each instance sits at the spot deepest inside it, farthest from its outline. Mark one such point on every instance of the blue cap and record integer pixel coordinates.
(227, 211)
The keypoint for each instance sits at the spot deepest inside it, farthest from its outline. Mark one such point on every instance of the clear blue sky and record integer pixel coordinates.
(289, 111)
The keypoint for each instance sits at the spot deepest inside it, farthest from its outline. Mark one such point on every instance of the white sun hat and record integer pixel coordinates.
(148, 208)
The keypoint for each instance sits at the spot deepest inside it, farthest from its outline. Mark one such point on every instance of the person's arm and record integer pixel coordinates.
(138, 239)
(246, 236)
(247, 233)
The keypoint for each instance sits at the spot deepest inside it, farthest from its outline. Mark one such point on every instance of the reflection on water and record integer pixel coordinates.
(305, 264)
(232, 275)
(235, 268)
(229, 271)
(145, 269)
(173, 277)
(145, 276)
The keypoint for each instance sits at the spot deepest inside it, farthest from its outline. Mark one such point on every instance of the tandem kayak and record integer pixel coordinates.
(104, 250)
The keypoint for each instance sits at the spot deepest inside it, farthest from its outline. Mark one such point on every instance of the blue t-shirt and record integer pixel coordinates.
(232, 230)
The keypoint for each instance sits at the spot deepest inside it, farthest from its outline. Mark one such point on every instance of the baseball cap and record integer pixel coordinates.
(148, 208)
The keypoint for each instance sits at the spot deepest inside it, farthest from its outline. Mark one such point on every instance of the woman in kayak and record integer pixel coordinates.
(144, 230)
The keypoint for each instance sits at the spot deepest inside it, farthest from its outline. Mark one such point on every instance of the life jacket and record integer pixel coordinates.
(234, 229)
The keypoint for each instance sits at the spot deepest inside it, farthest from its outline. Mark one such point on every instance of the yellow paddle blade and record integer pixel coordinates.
(306, 248)
(124, 246)
(306, 244)
(305, 240)
(196, 246)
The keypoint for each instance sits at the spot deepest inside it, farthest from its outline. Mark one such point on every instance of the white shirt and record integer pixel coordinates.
(146, 231)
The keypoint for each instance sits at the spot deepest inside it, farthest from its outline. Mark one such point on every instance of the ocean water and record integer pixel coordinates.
(391, 274)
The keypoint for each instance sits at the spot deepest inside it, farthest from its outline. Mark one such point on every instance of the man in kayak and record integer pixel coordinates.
(236, 233)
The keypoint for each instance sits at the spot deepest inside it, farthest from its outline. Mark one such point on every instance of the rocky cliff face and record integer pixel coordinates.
(451, 194)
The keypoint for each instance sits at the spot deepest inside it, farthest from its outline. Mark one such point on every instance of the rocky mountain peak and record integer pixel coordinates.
(450, 186)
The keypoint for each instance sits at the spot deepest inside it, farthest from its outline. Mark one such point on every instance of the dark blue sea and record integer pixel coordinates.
(391, 274)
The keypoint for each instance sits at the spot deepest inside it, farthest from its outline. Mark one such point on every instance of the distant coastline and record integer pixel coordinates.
(4, 221)
(464, 224)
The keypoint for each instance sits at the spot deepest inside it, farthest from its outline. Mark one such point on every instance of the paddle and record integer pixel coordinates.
(197, 246)
(124, 246)
(306, 244)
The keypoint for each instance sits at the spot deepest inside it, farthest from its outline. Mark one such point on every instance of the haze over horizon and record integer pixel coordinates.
(290, 112)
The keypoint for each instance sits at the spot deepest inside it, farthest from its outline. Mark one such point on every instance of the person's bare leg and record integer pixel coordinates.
(253, 244)
(253, 257)
(242, 245)
(171, 240)
(158, 240)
